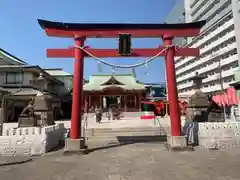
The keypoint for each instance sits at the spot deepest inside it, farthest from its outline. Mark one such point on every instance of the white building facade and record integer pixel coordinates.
(218, 48)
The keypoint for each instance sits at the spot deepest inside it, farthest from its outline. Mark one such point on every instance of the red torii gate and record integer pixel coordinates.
(79, 32)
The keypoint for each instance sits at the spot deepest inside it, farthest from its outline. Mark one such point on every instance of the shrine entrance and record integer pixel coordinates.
(110, 100)
(80, 31)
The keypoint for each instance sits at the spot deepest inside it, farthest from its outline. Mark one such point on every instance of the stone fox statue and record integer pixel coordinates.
(28, 110)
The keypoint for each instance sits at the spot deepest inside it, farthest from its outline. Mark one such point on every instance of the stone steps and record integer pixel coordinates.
(114, 134)
(128, 139)
(141, 134)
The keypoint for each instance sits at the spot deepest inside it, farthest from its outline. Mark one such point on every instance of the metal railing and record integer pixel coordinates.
(85, 125)
(156, 119)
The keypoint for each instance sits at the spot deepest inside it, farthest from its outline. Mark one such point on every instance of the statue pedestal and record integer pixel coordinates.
(45, 117)
(215, 117)
(197, 114)
(197, 108)
(24, 121)
(43, 109)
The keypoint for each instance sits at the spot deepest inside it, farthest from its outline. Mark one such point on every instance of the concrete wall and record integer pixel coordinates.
(30, 141)
(219, 134)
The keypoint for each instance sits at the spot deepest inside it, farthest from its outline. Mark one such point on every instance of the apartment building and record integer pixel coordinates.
(218, 47)
(236, 17)
(177, 15)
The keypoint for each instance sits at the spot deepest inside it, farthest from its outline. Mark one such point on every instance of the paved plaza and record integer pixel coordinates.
(144, 161)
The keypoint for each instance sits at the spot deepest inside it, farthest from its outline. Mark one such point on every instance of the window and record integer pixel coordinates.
(14, 78)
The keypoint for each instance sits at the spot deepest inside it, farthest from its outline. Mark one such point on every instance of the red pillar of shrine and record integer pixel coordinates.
(172, 87)
(77, 98)
(139, 103)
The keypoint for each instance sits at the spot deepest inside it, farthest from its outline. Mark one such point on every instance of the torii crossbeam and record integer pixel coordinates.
(79, 32)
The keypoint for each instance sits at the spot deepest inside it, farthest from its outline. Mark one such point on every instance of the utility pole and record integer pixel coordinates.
(221, 81)
(222, 87)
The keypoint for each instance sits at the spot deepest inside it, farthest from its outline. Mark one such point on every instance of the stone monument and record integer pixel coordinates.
(198, 103)
(196, 112)
(43, 103)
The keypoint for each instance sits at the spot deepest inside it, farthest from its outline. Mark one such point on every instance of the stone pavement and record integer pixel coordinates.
(12, 160)
(143, 161)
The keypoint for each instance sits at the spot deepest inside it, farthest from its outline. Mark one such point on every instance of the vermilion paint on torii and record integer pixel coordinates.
(80, 31)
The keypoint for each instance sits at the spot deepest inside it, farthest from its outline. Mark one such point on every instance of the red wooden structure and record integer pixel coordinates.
(160, 108)
(79, 32)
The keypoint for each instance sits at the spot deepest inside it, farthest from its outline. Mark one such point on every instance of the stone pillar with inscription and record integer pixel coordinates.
(43, 103)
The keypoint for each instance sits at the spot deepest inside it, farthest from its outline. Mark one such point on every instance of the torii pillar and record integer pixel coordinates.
(77, 101)
(175, 117)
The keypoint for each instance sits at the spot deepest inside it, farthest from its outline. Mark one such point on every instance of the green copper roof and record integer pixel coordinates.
(101, 82)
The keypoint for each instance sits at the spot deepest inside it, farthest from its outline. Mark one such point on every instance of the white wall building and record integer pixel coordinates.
(63, 76)
(218, 50)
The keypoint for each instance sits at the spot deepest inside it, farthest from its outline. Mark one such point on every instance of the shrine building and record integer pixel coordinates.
(106, 90)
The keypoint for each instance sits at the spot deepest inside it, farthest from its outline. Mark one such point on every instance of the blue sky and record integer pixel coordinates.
(21, 35)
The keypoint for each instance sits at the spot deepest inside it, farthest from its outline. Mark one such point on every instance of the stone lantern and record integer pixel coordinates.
(43, 103)
(198, 103)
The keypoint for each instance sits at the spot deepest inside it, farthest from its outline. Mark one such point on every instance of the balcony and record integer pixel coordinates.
(205, 39)
(217, 76)
(208, 89)
(204, 7)
(216, 8)
(196, 5)
(216, 87)
(185, 85)
(218, 42)
(215, 65)
(188, 93)
(214, 77)
(205, 59)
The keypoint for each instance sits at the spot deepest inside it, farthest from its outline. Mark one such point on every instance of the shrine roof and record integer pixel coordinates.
(120, 26)
(123, 81)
